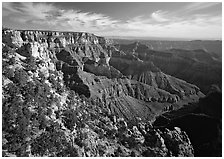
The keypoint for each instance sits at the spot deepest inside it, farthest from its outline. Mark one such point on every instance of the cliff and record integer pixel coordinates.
(61, 97)
(128, 82)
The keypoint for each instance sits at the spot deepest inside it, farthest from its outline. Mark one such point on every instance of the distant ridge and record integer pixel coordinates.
(159, 38)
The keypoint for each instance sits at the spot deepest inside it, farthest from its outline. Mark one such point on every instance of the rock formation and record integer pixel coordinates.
(192, 64)
(62, 97)
(201, 121)
(75, 54)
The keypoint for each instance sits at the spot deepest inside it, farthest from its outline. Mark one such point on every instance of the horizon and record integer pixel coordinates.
(124, 37)
(122, 20)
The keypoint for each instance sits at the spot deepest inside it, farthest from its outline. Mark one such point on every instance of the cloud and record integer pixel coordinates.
(160, 23)
(194, 27)
(27, 12)
(199, 6)
(159, 16)
(50, 16)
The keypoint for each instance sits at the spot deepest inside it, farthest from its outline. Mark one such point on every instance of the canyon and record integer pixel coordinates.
(88, 88)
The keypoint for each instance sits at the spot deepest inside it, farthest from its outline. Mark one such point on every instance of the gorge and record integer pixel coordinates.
(78, 94)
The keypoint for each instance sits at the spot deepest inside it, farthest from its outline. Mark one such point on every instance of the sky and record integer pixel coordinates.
(201, 20)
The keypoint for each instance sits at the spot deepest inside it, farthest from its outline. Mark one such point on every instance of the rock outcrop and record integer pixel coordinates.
(139, 89)
(191, 63)
(163, 45)
(201, 121)
(78, 44)
(146, 72)
(61, 97)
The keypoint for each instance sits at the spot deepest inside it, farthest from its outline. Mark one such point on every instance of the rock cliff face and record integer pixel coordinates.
(130, 88)
(190, 64)
(61, 97)
(36, 43)
(201, 121)
(214, 46)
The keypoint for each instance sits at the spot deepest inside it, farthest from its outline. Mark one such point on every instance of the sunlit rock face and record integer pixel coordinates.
(81, 44)
(63, 97)
(12, 38)
(92, 66)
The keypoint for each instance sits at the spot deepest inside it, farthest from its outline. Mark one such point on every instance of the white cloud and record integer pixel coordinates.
(194, 27)
(45, 13)
(199, 6)
(159, 16)
(157, 24)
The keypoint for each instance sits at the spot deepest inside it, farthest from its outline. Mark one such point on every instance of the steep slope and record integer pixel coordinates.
(201, 121)
(52, 108)
(75, 53)
(146, 72)
(214, 46)
(192, 66)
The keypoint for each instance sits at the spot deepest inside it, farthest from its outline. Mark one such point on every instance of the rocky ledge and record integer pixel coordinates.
(55, 103)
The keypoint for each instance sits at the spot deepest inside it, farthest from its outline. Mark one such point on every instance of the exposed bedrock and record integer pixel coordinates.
(127, 86)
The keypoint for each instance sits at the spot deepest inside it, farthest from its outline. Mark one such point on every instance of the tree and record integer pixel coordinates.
(21, 76)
